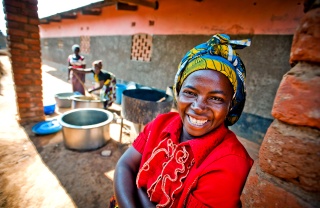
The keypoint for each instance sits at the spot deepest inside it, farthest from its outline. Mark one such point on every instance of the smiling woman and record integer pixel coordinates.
(191, 158)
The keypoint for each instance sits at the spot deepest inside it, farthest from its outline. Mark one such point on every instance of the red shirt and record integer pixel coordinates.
(206, 172)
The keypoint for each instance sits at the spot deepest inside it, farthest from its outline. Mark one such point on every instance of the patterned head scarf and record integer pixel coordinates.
(75, 46)
(217, 54)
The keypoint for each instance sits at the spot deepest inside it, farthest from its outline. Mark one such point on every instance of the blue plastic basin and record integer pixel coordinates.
(49, 109)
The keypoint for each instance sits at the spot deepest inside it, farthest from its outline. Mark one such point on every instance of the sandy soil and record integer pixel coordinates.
(39, 171)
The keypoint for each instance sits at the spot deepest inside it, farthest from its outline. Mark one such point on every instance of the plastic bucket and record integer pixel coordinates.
(119, 89)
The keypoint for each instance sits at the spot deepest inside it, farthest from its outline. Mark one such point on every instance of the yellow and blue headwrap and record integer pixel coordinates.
(217, 54)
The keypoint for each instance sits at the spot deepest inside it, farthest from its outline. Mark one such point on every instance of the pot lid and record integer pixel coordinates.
(47, 127)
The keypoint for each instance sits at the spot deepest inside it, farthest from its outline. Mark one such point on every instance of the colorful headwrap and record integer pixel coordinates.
(217, 54)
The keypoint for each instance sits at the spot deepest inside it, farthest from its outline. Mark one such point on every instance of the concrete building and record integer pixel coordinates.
(287, 171)
(144, 43)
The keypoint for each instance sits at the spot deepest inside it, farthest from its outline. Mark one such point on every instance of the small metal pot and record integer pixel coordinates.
(64, 100)
(86, 102)
(86, 128)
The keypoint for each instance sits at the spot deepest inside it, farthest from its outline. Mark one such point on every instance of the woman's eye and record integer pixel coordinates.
(216, 99)
(189, 93)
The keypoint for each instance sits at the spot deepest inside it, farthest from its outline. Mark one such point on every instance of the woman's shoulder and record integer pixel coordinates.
(230, 147)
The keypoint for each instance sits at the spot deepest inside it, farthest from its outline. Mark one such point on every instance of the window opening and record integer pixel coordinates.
(141, 47)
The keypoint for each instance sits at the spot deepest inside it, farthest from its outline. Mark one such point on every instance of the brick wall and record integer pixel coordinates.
(287, 173)
(24, 47)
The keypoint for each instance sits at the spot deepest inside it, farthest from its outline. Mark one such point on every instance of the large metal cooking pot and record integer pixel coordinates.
(86, 128)
(141, 106)
(86, 102)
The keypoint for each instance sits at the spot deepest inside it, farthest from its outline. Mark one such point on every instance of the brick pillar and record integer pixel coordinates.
(288, 171)
(24, 47)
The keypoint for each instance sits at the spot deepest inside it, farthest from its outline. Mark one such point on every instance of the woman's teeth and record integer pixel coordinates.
(197, 122)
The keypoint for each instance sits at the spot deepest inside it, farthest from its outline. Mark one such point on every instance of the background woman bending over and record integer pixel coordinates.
(106, 80)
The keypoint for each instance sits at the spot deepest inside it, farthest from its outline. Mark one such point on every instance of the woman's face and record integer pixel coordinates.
(204, 101)
(76, 51)
(97, 68)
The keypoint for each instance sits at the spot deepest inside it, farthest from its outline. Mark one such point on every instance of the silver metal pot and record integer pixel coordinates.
(64, 100)
(86, 128)
(86, 102)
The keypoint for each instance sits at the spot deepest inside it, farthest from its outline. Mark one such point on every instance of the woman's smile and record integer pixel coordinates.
(197, 122)
(204, 101)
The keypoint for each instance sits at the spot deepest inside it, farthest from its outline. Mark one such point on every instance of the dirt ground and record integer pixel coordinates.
(39, 171)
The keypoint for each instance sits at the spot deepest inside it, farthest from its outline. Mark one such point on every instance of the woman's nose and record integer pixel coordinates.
(198, 104)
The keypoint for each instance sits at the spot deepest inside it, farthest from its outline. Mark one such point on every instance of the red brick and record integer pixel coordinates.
(36, 76)
(31, 28)
(24, 94)
(34, 21)
(36, 60)
(35, 54)
(38, 82)
(15, 39)
(298, 97)
(11, 9)
(25, 105)
(16, 52)
(34, 35)
(33, 65)
(21, 99)
(14, 45)
(35, 48)
(33, 2)
(18, 65)
(31, 41)
(16, 32)
(18, 76)
(22, 82)
(306, 41)
(37, 71)
(292, 153)
(261, 192)
(32, 7)
(23, 71)
(23, 59)
(32, 14)
(17, 18)
(35, 89)
(15, 25)
(14, 3)
(38, 94)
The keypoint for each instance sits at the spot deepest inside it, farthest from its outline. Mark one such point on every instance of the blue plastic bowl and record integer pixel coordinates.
(49, 109)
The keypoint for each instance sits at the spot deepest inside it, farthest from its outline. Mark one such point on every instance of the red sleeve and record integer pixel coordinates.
(140, 142)
(222, 186)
